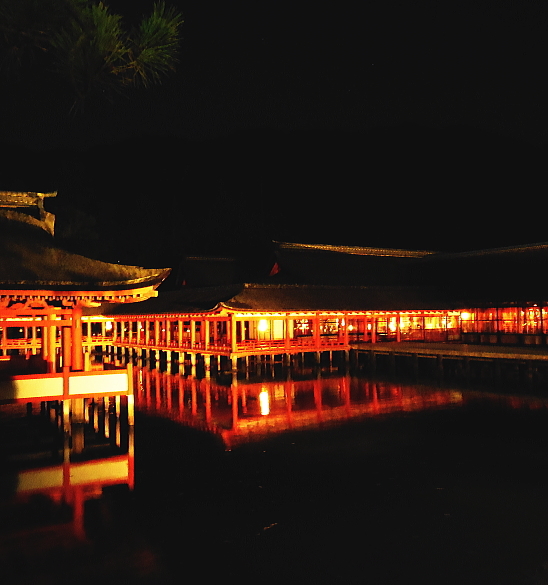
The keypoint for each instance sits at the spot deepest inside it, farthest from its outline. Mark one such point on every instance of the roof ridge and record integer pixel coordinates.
(501, 250)
(357, 250)
(256, 285)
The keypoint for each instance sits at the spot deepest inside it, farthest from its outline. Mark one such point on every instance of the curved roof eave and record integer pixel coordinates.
(154, 279)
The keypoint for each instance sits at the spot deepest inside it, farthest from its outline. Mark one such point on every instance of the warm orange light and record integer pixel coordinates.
(264, 402)
(465, 316)
(351, 328)
(108, 325)
(263, 325)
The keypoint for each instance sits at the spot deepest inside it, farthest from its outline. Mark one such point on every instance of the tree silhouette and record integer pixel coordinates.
(86, 44)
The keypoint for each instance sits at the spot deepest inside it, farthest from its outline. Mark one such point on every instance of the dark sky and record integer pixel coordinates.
(350, 65)
(415, 121)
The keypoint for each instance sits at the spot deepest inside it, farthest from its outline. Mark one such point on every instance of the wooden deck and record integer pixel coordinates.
(455, 350)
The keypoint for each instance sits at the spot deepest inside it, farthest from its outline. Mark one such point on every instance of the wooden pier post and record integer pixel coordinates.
(439, 360)
(346, 358)
(415, 365)
(466, 367)
(497, 372)
(372, 362)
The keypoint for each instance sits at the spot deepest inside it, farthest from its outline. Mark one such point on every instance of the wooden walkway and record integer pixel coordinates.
(454, 350)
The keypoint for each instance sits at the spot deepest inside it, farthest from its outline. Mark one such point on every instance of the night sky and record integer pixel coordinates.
(403, 124)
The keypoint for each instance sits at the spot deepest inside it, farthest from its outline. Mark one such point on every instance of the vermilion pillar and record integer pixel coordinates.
(66, 345)
(77, 362)
(316, 325)
(233, 341)
(206, 334)
(49, 333)
(287, 333)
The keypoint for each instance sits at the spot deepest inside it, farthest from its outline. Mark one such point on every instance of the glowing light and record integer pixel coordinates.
(108, 325)
(465, 316)
(351, 328)
(263, 325)
(264, 402)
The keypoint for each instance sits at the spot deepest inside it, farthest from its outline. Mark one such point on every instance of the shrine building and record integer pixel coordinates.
(43, 290)
(335, 298)
(57, 307)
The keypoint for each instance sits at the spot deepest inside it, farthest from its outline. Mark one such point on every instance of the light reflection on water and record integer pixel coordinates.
(50, 480)
(247, 411)
(56, 492)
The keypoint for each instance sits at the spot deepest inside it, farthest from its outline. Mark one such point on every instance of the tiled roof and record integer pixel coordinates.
(185, 300)
(258, 297)
(285, 298)
(30, 259)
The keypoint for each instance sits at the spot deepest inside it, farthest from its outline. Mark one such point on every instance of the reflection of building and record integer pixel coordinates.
(72, 483)
(247, 411)
(43, 290)
(49, 483)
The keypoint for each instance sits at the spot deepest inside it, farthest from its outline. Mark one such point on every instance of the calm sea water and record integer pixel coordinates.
(326, 478)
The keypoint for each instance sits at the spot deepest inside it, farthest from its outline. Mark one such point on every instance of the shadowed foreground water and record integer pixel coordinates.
(453, 493)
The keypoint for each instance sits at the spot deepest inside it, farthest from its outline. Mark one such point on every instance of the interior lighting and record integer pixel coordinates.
(263, 325)
(465, 316)
(108, 325)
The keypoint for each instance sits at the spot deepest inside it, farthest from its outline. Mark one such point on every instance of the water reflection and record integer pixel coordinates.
(52, 468)
(246, 411)
(59, 490)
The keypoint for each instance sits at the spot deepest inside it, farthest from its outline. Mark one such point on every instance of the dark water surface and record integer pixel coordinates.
(339, 479)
